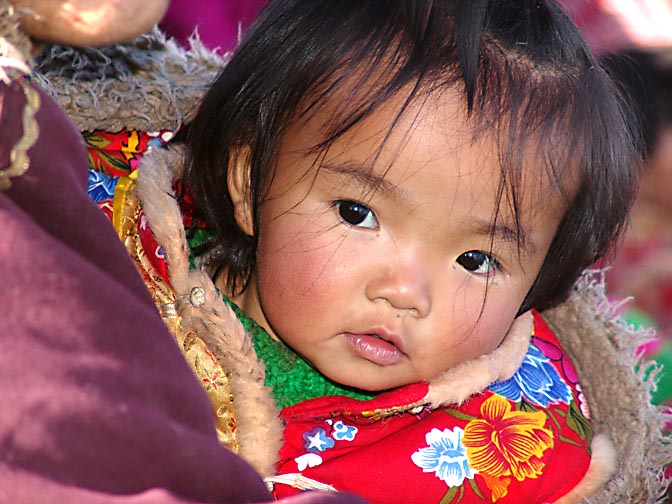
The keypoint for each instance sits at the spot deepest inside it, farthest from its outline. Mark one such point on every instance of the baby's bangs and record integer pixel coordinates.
(375, 51)
(366, 79)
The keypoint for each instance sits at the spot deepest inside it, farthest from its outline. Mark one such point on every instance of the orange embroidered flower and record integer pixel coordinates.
(506, 443)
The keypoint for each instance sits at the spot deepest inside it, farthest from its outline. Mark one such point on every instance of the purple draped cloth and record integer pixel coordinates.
(96, 401)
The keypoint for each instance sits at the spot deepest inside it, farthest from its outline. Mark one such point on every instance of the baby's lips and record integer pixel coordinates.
(374, 349)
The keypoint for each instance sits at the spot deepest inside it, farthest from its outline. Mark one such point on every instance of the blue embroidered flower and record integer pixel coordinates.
(155, 142)
(445, 456)
(343, 432)
(101, 186)
(317, 440)
(536, 380)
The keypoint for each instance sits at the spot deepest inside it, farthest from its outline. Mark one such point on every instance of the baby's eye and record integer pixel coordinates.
(356, 214)
(478, 262)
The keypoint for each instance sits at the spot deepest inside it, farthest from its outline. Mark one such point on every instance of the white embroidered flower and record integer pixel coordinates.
(308, 460)
(445, 456)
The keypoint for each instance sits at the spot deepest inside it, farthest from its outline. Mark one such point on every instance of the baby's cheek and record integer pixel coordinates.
(477, 319)
(294, 277)
(495, 323)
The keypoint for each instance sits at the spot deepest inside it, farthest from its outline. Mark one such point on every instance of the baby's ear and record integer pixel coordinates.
(238, 179)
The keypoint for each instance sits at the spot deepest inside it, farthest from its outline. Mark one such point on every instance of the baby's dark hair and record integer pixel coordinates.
(522, 67)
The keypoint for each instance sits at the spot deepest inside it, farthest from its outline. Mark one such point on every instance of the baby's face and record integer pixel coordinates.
(382, 270)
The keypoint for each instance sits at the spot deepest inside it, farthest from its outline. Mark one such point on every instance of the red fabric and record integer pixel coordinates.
(351, 448)
(119, 153)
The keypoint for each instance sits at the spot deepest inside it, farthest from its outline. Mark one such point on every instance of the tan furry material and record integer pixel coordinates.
(259, 429)
(9, 30)
(153, 84)
(602, 466)
(95, 86)
(604, 352)
(472, 377)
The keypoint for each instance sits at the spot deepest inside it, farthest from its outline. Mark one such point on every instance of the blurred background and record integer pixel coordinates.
(608, 25)
(218, 22)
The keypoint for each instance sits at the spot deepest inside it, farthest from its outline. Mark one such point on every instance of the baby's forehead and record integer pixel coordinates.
(433, 122)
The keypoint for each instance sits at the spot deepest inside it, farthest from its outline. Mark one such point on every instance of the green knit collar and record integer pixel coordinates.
(290, 377)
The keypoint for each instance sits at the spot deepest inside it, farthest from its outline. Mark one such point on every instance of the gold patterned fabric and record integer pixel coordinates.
(128, 221)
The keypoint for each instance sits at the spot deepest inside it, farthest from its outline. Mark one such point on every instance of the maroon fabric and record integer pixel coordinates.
(96, 402)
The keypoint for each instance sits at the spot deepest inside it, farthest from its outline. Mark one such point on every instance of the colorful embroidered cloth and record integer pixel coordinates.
(523, 440)
(113, 161)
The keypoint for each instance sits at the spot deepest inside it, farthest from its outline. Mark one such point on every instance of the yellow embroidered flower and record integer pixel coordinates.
(506, 443)
(130, 148)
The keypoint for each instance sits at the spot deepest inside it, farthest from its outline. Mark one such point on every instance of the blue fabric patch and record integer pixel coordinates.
(101, 186)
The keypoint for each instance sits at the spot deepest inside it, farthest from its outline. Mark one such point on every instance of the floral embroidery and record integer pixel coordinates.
(555, 354)
(100, 186)
(119, 153)
(446, 456)
(307, 460)
(583, 404)
(211, 382)
(490, 448)
(505, 443)
(343, 432)
(537, 380)
(317, 440)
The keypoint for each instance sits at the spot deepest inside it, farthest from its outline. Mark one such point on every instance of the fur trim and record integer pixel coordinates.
(602, 466)
(617, 384)
(128, 86)
(259, 431)
(468, 378)
(10, 32)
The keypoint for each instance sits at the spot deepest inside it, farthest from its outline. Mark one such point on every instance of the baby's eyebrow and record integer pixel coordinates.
(367, 178)
(521, 239)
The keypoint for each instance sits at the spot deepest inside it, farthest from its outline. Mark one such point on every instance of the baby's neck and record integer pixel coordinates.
(248, 301)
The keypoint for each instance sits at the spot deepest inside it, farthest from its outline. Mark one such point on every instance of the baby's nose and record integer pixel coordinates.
(404, 285)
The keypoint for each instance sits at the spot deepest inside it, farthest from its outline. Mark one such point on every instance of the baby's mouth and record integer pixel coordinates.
(374, 348)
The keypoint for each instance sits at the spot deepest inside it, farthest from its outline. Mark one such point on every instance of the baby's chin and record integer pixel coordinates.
(373, 385)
